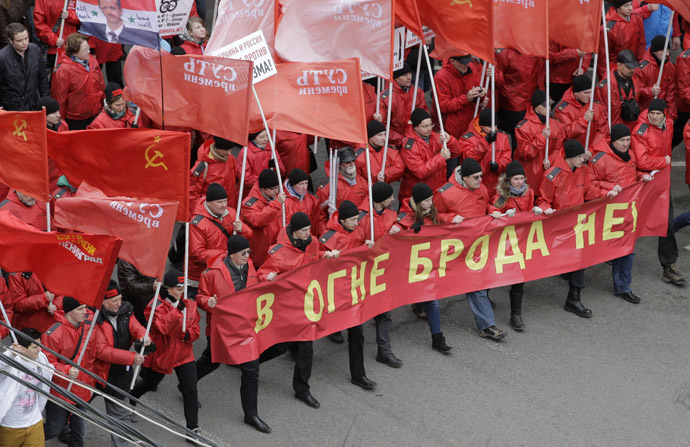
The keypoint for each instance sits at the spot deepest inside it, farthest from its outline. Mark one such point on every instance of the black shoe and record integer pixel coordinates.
(309, 400)
(578, 309)
(438, 343)
(390, 360)
(196, 431)
(337, 338)
(629, 297)
(493, 333)
(516, 322)
(419, 311)
(364, 382)
(257, 423)
(64, 437)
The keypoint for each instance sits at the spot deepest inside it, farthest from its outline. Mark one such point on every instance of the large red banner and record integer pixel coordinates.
(439, 261)
(127, 162)
(522, 25)
(575, 24)
(77, 265)
(23, 153)
(239, 18)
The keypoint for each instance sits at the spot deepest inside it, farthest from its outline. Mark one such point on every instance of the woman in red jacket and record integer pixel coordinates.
(77, 83)
(195, 37)
(114, 114)
(174, 348)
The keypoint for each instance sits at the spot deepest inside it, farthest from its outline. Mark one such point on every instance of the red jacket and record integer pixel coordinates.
(564, 62)
(309, 204)
(571, 113)
(601, 94)
(455, 199)
(208, 170)
(406, 216)
(369, 101)
(394, 164)
(106, 353)
(265, 219)
(79, 92)
(382, 223)
(517, 77)
(68, 340)
(524, 202)
(357, 194)
(563, 188)
(646, 77)
(608, 169)
(338, 238)
(401, 111)
(531, 145)
(622, 35)
(686, 137)
(206, 240)
(452, 87)
(475, 146)
(166, 333)
(34, 215)
(29, 302)
(7, 304)
(257, 161)
(193, 47)
(104, 121)
(651, 143)
(423, 161)
(283, 256)
(47, 21)
(216, 280)
(683, 81)
(293, 150)
(106, 51)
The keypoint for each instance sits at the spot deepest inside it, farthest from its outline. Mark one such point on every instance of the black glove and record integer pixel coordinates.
(272, 164)
(417, 227)
(180, 305)
(490, 137)
(150, 349)
(135, 126)
(493, 166)
(187, 336)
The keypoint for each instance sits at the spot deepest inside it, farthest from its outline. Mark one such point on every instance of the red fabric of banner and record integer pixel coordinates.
(145, 226)
(407, 15)
(77, 265)
(575, 24)
(465, 24)
(439, 261)
(127, 162)
(23, 153)
(194, 88)
(522, 25)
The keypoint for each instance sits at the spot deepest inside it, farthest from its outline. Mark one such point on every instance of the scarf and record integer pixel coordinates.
(114, 115)
(292, 192)
(625, 156)
(84, 64)
(517, 192)
(298, 243)
(477, 128)
(541, 117)
(215, 155)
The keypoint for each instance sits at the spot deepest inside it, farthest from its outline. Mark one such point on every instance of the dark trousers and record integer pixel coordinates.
(383, 333)
(355, 347)
(186, 374)
(668, 247)
(303, 351)
(204, 365)
(113, 71)
(577, 279)
(678, 127)
(79, 124)
(57, 417)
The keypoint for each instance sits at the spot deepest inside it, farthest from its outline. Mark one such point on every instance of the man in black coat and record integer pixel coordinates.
(23, 78)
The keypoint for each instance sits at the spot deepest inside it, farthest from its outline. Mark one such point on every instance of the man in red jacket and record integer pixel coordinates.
(614, 164)
(299, 198)
(651, 143)
(402, 104)
(648, 74)
(566, 65)
(574, 114)
(682, 97)
(293, 150)
(6, 303)
(624, 106)
(351, 186)
(215, 165)
(48, 16)
(262, 210)
(566, 185)
(67, 338)
(27, 209)
(376, 132)
(115, 332)
(33, 305)
(625, 31)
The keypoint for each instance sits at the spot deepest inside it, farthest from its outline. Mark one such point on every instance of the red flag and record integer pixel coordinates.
(444, 50)
(327, 30)
(407, 15)
(127, 162)
(24, 164)
(77, 265)
(682, 7)
(575, 24)
(465, 24)
(319, 98)
(195, 88)
(145, 226)
(239, 18)
(522, 25)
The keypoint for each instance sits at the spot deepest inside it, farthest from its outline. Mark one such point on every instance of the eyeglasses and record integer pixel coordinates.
(477, 176)
(246, 252)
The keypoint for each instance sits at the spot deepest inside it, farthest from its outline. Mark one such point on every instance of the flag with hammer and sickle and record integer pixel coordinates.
(23, 153)
(143, 163)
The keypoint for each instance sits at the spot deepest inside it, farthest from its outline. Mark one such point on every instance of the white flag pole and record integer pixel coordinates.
(371, 197)
(186, 274)
(433, 88)
(663, 58)
(481, 82)
(7, 320)
(548, 105)
(608, 65)
(493, 112)
(388, 127)
(146, 334)
(591, 99)
(416, 79)
(86, 342)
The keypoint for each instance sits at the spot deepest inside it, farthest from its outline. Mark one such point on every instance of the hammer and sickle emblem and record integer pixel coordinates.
(19, 126)
(156, 155)
(461, 2)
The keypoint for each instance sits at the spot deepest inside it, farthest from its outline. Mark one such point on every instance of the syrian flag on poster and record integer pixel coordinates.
(131, 22)
(173, 16)
(398, 53)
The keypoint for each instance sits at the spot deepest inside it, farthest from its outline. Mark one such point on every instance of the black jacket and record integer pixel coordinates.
(22, 80)
(136, 288)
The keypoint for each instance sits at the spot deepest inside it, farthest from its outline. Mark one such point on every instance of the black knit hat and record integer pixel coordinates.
(573, 148)
(485, 118)
(112, 91)
(223, 144)
(173, 278)
(299, 220)
(403, 71)
(421, 192)
(375, 127)
(514, 168)
(69, 304)
(418, 115)
(538, 99)
(657, 44)
(112, 291)
(177, 51)
(582, 83)
(215, 192)
(658, 105)
(253, 136)
(347, 209)
(50, 104)
(268, 178)
(346, 154)
(380, 191)
(619, 131)
(237, 243)
(619, 3)
(297, 176)
(469, 166)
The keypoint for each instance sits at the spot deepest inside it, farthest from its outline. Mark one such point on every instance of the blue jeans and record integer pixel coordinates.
(681, 221)
(622, 273)
(433, 315)
(481, 308)
(56, 417)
